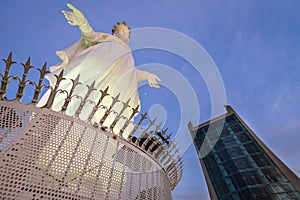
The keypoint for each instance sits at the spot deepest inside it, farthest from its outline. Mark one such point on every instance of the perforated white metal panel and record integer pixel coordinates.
(50, 155)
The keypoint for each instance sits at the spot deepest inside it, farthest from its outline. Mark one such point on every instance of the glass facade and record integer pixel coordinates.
(239, 168)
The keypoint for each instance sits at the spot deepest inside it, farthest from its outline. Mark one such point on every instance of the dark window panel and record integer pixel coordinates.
(244, 138)
(238, 181)
(246, 194)
(294, 195)
(237, 128)
(224, 156)
(225, 133)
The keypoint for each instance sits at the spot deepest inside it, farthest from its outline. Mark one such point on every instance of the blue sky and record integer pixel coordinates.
(255, 45)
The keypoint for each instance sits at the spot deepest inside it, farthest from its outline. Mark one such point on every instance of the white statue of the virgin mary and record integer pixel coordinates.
(100, 57)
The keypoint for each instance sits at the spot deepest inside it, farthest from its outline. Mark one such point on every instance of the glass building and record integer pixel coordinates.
(240, 165)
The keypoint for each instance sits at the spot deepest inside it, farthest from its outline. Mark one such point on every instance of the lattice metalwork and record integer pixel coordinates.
(51, 153)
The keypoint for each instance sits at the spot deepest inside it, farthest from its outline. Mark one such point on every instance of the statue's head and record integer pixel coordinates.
(121, 30)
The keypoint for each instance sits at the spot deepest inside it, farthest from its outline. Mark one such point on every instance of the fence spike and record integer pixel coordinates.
(91, 88)
(5, 78)
(97, 106)
(134, 112)
(75, 82)
(125, 105)
(50, 101)
(39, 86)
(115, 100)
(22, 83)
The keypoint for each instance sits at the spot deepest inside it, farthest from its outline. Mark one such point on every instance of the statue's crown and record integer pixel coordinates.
(118, 24)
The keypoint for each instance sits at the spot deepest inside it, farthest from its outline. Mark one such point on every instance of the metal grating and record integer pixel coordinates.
(54, 156)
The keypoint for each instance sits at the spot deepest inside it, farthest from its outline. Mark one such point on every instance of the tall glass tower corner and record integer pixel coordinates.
(240, 165)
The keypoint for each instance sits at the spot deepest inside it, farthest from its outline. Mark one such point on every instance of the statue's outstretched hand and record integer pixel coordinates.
(152, 80)
(75, 18)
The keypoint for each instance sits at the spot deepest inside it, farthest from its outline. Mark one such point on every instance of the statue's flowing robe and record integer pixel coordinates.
(109, 63)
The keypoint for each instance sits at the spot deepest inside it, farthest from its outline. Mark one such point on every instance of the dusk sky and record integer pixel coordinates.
(254, 44)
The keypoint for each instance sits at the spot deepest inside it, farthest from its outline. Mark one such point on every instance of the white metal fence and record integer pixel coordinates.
(50, 154)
